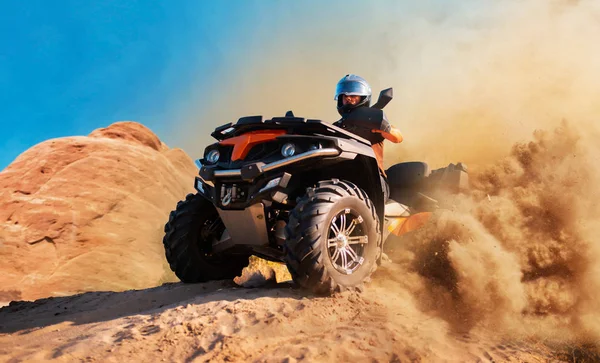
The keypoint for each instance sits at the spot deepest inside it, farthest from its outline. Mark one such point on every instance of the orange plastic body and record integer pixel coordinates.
(243, 143)
(402, 225)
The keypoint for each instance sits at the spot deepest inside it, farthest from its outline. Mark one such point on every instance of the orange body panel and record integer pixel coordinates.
(243, 143)
(400, 226)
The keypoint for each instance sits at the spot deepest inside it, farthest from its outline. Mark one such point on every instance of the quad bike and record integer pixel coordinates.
(303, 192)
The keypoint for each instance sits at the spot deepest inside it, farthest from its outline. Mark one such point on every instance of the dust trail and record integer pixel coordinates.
(489, 79)
(519, 253)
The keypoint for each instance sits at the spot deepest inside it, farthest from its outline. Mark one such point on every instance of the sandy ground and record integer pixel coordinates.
(222, 322)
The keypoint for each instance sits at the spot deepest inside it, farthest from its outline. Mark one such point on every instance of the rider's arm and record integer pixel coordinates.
(394, 135)
(389, 132)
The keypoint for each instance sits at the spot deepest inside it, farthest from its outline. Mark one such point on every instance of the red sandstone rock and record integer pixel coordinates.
(87, 213)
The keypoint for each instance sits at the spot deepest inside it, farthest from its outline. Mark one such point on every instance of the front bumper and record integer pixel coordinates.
(252, 171)
(241, 188)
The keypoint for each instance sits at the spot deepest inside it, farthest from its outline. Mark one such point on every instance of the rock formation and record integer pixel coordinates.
(86, 213)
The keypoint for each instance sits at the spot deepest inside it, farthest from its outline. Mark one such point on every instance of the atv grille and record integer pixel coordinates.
(263, 151)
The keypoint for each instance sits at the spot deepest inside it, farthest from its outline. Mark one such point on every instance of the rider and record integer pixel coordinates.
(353, 92)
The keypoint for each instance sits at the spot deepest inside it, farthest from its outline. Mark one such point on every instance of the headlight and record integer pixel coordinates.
(288, 150)
(213, 156)
(315, 147)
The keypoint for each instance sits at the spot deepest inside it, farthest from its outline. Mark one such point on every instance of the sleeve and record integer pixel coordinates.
(385, 124)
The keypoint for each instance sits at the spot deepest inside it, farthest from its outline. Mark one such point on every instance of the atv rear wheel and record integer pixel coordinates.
(333, 238)
(189, 234)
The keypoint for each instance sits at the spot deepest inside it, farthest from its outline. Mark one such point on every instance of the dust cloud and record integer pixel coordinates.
(518, 254)
(510, 68)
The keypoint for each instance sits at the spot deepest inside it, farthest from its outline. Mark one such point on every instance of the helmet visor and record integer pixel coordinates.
(351, 89)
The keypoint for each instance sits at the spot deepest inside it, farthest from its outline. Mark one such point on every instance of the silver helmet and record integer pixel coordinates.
(352, 85)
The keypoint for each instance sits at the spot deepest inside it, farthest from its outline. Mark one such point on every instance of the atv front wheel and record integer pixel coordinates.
(189, 234)
(333, 238)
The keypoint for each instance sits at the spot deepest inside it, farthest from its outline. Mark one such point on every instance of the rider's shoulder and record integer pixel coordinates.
(384, 116)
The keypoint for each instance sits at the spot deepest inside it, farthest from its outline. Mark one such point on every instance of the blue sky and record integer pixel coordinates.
(68, 68)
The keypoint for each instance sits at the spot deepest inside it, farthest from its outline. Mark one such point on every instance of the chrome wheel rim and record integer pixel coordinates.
(346, 241)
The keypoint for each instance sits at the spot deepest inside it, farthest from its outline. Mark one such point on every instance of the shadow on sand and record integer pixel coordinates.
(94, 307)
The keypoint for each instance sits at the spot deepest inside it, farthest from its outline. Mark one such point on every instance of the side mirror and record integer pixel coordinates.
(385, 97)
